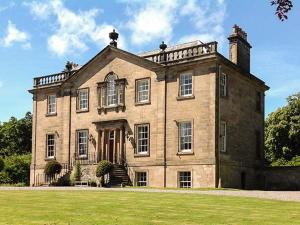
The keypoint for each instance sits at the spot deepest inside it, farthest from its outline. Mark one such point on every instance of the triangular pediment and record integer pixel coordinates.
(108, 54)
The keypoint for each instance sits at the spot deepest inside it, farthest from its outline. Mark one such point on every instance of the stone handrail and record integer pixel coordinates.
(183, 53)
(51, 79)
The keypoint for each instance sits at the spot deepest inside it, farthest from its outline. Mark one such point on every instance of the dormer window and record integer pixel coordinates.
(111, 93)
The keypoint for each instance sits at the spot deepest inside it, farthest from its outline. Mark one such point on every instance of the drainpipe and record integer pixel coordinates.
(218, 169)
(165, 135)
(70, 122)
(35, 128)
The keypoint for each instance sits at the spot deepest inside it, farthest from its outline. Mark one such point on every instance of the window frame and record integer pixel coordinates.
(137, 101)
(179, 178)
(48, 104)
(180, 96)
(223, 87)
(137, 181)
(185, 151)
(136, 153)
(78, 109)
(77, 144)
(47, 146)
(223, 136)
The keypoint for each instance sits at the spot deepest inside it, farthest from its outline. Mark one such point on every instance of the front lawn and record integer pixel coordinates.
(96, 207)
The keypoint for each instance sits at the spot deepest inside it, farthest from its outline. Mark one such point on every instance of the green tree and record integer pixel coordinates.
(282, 133)
(282, 8)
(15, 136)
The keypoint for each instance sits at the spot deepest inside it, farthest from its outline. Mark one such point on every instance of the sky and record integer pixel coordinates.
(38, 37)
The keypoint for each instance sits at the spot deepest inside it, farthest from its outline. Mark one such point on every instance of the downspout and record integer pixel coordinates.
(70, 122)
(218, 169)
(35, 128)
(165, 135)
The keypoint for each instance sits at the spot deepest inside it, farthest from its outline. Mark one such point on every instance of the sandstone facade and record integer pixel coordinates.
(195, 157)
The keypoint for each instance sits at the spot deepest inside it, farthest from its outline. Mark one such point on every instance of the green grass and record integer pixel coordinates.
(95, 207)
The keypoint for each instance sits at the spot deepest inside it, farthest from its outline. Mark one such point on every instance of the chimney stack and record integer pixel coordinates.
(239, 48)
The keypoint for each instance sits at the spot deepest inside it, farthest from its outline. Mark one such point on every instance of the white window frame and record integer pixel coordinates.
(223, 85)
(143, 90)
(143, 182)
(183, 87)
(51, 106)
(83, 103)
(139, 139)
(184, 137)
(82, 143)
(50, 147)
(223, 136)
(185, 183)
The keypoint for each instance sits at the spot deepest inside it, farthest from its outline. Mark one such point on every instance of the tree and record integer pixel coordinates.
(282, 133)
(104, 167)
(282, 9)
(15, 136)
(52, 167)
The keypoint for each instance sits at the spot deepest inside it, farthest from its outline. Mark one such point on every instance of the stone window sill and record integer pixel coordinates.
(142, 103)
(51, 114)
(180, 98)
(185, 153)
(50, 159)
(116, 108)
(141, 155)
(82, 110)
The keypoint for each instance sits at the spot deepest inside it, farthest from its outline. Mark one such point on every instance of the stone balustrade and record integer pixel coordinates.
(52, 79)
(176, 55)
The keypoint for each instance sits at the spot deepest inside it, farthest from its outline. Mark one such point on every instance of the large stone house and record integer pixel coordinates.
(181, 116)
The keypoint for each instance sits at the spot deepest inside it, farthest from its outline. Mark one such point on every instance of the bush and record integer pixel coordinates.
(17, 168)
(77, 172)
(52, 167)
(104, 167)
(1, 164)
(63, 181)
(4, 178)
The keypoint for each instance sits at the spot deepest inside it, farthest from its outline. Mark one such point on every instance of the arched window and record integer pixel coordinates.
(111, 89)
(111, 92)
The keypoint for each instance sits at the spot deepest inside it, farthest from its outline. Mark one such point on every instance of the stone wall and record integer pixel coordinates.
(282, 178)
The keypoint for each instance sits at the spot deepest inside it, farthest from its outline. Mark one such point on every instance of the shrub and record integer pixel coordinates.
(1, 164)
(104, 167)
(17, 168)
(77, 172)
(52, 167)
(4, 178)
(63, 181)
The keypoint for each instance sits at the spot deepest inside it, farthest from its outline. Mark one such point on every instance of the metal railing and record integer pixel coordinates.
(43, 179)
(88, 159)
(183, 53)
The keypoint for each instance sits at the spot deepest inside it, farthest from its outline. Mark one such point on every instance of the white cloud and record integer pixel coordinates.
(14, 35)
(73, 30)
(152, 20)
(207, 17)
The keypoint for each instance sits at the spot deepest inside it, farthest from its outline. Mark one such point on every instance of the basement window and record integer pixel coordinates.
(141, 179)
(185, 179)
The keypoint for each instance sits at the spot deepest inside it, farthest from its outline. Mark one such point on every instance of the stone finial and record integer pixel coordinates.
(163, 46)
(237, 31)
(70, 66)
(114, 37)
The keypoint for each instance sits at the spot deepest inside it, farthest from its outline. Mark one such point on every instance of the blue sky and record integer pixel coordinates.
(38, 37)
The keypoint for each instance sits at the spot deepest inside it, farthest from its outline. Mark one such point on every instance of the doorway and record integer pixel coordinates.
(111, 145)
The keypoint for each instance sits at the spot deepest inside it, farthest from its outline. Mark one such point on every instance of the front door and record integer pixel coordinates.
(111, 146)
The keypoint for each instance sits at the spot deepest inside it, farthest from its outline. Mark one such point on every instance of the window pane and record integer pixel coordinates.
(141, 179)
(223, 85)
(50, 146)
(142, 139)
(186, 86)
(111, 91)
(82, 139)
(185, 179)
(51, 104)
(223, 137)
(185, 136)
(83, 99)
(143, 90)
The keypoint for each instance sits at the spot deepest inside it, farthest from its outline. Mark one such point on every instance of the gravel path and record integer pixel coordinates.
(276, 195)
